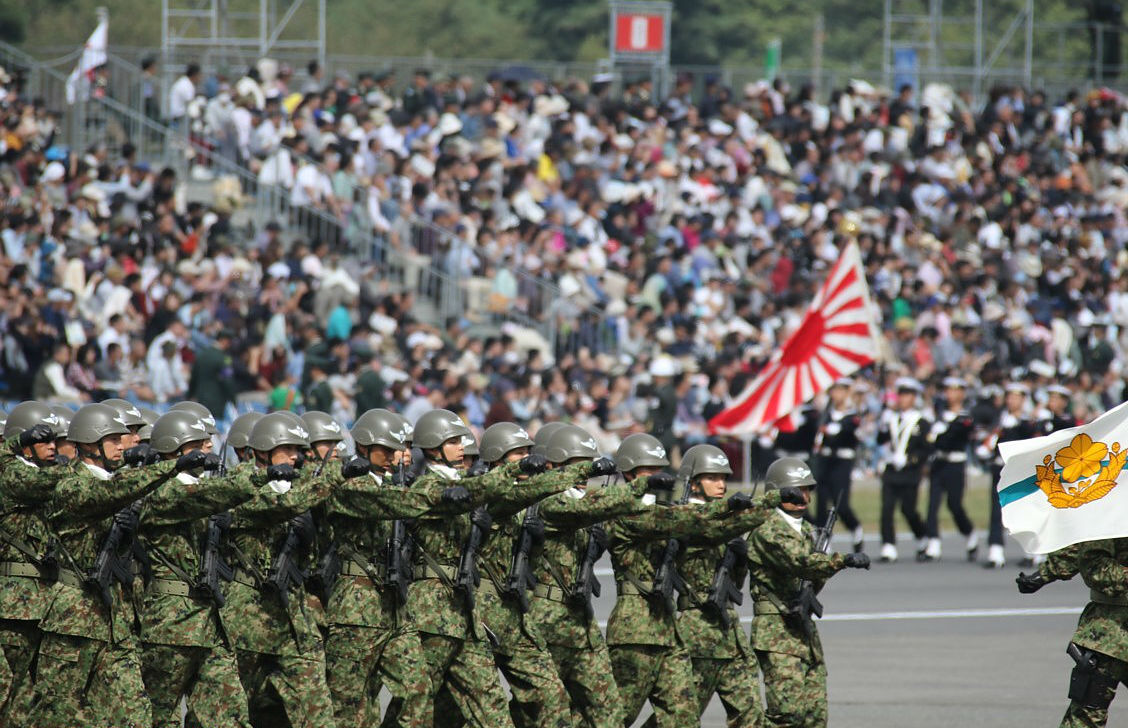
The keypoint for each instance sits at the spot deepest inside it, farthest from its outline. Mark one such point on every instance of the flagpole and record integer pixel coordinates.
(746, 442)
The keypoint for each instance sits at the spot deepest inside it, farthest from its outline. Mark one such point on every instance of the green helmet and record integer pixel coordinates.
(150, 417)
(380, 427)
(65, 414)
(788, 472)
(94, 422)
(501, 439)
(176, 429)
(128, 411)
(544, 432)
(436, 427)
(275, 430)
(640, 451)
(569, 442)
(469, 445)
(27, 415)
(239, 435)
(703, 460)
(322, 427)
(200, 411)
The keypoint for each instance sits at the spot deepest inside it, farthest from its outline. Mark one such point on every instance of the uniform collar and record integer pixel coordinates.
(794, 521)
(445, 471)
(99, 472)
(187, 478)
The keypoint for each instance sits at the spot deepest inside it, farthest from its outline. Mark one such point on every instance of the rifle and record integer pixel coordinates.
(467, 579)
(520, 578)
(586, 585)
(724, 591)
(285, 572)
(324, 578)
(397, 560)
(806, 602)
(214, 569)
(222, 470)
(115, 561)
(666, 576)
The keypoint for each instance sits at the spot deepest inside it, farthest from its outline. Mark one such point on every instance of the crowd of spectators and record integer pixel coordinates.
(685, 234)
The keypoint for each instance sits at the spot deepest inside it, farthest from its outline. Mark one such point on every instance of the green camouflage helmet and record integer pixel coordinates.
(502, 438)
(176, 429)
(569, 442)
(200, 411)
(322, 427)
(239, 436)
(788, 472)
(469, 446)
(275, 430)
(95, 422)
(129, 412)
(150, 417)
(380, 427)
(703, 460)
(640, 451)
(27, 415)
(436, 427)
(544, 433)
(65, 414)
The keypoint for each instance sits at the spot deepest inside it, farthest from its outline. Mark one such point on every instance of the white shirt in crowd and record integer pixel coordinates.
(311, 187)
(179, 96)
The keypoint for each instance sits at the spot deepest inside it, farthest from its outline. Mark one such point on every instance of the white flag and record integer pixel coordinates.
(1067, 487)
(93, 55)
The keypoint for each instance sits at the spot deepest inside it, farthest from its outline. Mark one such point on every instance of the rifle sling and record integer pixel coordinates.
(164, 561)
(19, 545)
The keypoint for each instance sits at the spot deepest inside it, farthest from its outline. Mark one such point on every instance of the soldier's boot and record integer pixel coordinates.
(888, 553)
(859, 539)
(996, 558)
(973, 546)
(932, 550)
(922, 549)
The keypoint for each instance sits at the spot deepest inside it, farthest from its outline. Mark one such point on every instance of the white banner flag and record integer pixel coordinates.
(1067, 487)
(93, 55)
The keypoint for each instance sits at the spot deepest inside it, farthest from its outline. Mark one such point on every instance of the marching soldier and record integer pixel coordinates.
(800, 442)
(133, 420)
(950, 437)
(1061, 565)
(1056, 415)
(1013, 424)
(145, 434)
(239, 436)
(540, 440)
(904, 430)
(836, 447)
(781, 558)
(64, 448)
(200, 411)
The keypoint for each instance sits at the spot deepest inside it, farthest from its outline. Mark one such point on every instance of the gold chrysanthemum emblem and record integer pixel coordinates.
(1081, 472)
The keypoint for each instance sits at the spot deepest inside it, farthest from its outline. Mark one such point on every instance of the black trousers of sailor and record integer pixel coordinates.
(947, 480)
(835, 475)
(995, 533)
(900, 487)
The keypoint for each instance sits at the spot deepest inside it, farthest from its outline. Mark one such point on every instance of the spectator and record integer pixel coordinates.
(51, 384)
(182, 93)
(212, 382)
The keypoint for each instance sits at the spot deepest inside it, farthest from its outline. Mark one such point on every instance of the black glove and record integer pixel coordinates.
(739, 547)
(535, 526)
(602, 466)
(600, 535)
(142, 454)
(402, 479)
(280, 472)
(791, 495)
(189, 460)
(478, 468)
(532, 464)
(300, 460)
(482, 519)
(126, 519)
(856, 561)
(455, 495)
(1029, 583)
(212, 461)
(355, 468)
(740, 501)
(37, 435)
(660, 481)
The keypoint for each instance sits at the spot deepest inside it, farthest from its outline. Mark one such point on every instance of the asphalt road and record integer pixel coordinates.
(940, 644)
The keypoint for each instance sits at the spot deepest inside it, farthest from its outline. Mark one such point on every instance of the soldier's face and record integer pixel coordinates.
(132, 439)
(66, 448)
(1056, 403)
(712, 486)
(906, 400)
(1015, 401)
(516, 455)
(955, 396)
(382, 458)
(839, 396)
(41, 451)
(113, 447)
(644, 472)
(284, 455)
(452, 450)
(204, 446)
(795, 508)
(325, 451)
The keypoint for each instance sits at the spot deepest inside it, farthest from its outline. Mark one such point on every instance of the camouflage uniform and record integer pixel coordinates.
(575, 642)
(722, 662)
(1102, 629)
(372, 641)
(184, 650)
(792, 663)
(23, 593)
(648, 657)
(454, 640)
(89, 670)
(1061, 565)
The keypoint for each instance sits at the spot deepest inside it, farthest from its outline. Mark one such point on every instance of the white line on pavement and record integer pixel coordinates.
(936, 614)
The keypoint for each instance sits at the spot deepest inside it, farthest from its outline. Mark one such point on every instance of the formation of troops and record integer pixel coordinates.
(146, 579)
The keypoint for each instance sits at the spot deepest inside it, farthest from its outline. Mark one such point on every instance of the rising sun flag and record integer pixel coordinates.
(838, 336)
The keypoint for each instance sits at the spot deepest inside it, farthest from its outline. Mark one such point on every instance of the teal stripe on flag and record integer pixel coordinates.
(1018, 491)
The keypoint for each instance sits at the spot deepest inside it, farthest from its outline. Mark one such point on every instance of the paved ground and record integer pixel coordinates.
(942, 644)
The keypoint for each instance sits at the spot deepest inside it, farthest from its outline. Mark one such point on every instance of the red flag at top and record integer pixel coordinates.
(837, 336)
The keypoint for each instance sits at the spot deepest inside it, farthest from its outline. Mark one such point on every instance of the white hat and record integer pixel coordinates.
(1059, 389)
(54, 172)
(908, 384)
(663, 366)
(955, 382)
(278, 270)
(719, 128)
(449, 124)
(1017, 387)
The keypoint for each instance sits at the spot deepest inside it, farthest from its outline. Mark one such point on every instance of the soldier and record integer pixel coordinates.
(787, 645)
(540, 440)
(836, 447)
(1013, 424)
(664, 400)
(574, 540)
(239, 436)
(326, 438)
(1100, 644)
(28, 468)
(133, 420)
(799, 442)
(373, 641)
(1061, 565)
(145, 434)
(88, 669)
(470, 455)
(200, 411)
(1056, 415)
(904, 430)
(64, 448)
(950, 436)
(184, 650)
(442, 593)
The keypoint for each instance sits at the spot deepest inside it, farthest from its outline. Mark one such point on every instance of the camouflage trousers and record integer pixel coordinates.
(1093, 713)
(465, 668)
(88, 683)
(209, 677)
(663, 675)
(362, 659)
(735, 681)
(588, 679)
(794, 691)
(19, 641)
(286, 691)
